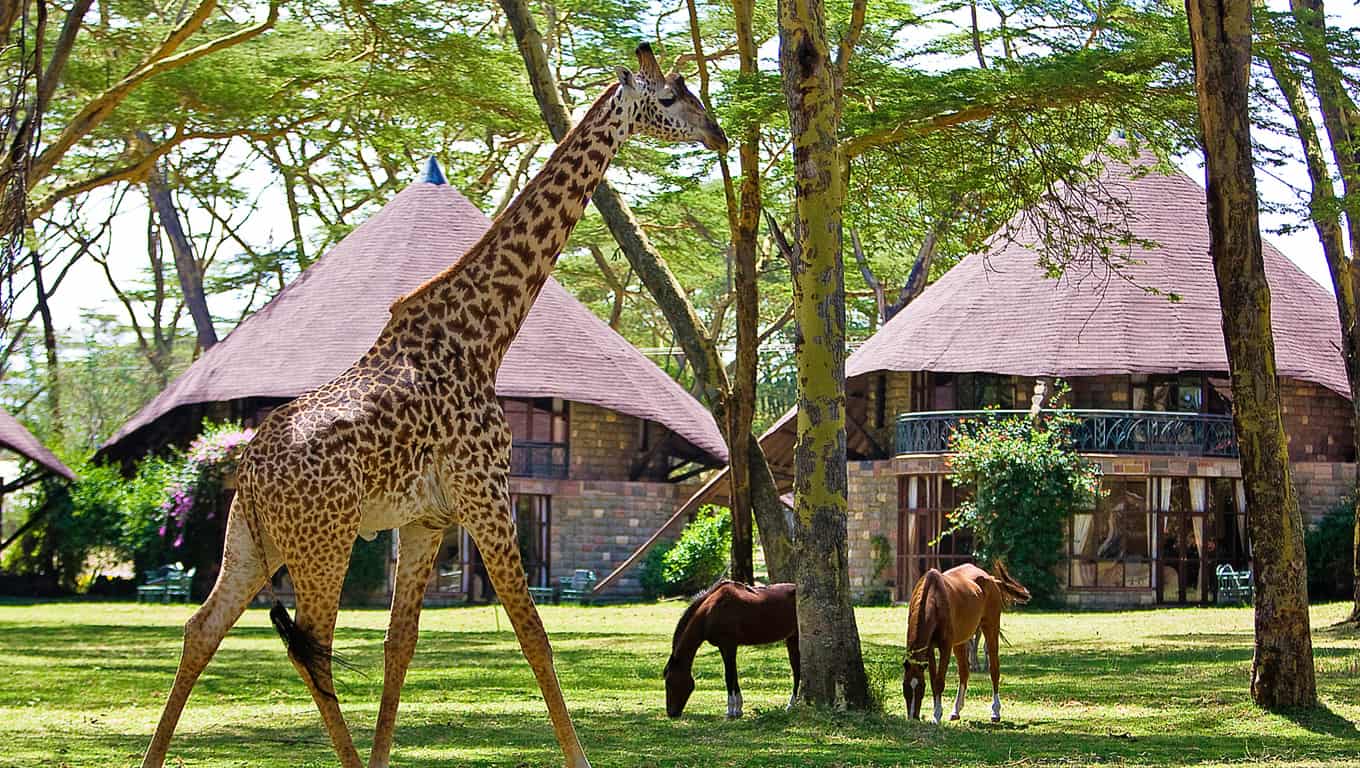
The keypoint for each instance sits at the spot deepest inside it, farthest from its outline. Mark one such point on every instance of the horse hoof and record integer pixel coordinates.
(953, 717)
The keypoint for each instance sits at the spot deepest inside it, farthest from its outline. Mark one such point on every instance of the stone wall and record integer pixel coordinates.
(872, 498)
(597, 524)
(1317, 422)
(603, 443)
(1319, 485)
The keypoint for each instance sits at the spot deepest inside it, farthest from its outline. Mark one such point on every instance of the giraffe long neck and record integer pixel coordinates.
(484, 297)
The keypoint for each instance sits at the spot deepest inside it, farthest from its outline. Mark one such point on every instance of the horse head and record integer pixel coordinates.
(679, 685)
(914, 680)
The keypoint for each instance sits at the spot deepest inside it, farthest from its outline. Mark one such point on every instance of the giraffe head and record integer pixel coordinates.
(664, 108)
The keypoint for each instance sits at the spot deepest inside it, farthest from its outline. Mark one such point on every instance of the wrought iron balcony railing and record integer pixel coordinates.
(535, 459)
(1130, 432)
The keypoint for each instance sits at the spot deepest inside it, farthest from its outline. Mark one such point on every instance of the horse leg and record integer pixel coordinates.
(937, 676)
(242, 575)
(974, 648)
(415, 557)
(992, 630)
(795, 661)
(729, 657)
(961, 656)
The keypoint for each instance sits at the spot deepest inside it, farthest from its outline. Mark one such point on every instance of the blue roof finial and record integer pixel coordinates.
(433, 173)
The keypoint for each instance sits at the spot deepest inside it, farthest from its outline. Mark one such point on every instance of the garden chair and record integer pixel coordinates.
(1233, 586)
(178, 588)
(156, 582)
(545, 595)
(579, 588)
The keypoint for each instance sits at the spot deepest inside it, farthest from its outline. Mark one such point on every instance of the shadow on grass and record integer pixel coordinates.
(1321, 719)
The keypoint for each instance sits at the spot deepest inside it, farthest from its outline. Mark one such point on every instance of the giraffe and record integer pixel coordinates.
(412, 437)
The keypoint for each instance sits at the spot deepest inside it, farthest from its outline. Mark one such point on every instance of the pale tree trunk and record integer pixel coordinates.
(186, 266)
(832, 666)
(1341, 118)
(700, 350)
(1325, 213)
(1282, 667)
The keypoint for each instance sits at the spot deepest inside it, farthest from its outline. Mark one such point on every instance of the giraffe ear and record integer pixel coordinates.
(647, 66)
(626, 78)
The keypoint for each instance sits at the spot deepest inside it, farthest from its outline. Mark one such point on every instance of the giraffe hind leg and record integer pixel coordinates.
(243, 574)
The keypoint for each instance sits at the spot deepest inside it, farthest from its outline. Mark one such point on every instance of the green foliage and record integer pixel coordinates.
(692, 562)
(101, 511)
(1330, 553)
(1026, 481)
(367, 567)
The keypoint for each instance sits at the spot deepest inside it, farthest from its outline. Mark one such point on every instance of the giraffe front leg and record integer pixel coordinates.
(493, 530)
(416, 553)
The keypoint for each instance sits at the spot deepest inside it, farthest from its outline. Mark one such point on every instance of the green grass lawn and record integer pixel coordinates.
(82, 685)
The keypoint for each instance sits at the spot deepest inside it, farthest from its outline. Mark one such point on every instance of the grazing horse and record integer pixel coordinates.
(946, 610)
(729, 615)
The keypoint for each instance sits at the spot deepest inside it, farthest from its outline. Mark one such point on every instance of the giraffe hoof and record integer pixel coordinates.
(953, 717)
(996, 718)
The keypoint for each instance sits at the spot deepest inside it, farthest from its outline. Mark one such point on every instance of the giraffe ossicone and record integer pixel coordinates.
(412, 437)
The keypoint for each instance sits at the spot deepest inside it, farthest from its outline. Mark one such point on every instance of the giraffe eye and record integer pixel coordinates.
(665, 98)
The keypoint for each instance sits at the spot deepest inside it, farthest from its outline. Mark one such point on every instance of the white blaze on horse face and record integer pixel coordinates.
(939, 708)
(734, 705)
(996, 706)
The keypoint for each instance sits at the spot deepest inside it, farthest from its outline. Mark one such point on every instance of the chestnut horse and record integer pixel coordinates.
(729, 615)
(946, 611)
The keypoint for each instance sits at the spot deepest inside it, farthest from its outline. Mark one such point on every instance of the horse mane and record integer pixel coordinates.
(693, 607)
(916, 612)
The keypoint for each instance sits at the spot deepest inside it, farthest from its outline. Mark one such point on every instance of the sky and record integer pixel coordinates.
(86, 288)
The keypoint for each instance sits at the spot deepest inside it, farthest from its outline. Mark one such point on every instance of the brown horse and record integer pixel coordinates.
(729, 615)
(946, 610)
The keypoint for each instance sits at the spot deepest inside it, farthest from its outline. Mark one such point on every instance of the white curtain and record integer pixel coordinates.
(1241, 491)
(913, 543)
(1199, 503)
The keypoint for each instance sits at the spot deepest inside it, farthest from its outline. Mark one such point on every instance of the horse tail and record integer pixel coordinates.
(1012, 591)
(916, 612)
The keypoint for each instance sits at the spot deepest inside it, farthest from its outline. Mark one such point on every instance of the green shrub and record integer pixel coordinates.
(1330, 554)
(1027, 479)
(692, 562)
(367, 567)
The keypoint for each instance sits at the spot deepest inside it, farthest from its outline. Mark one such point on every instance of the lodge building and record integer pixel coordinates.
(1148, 382)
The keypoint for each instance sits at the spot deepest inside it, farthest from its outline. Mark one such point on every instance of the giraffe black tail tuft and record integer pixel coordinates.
(304, 648)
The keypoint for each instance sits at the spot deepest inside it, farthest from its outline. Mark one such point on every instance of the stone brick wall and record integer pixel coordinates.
(872, 497)
(1319, 485)
(603, 443)
(597, 524)
(1317, 422)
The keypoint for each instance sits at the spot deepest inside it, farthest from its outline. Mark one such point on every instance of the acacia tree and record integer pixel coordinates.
(1282, 667)
(1304, 32)
(832, 664)
(716, 387)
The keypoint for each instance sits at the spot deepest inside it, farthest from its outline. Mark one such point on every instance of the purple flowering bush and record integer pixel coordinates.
(196, 490)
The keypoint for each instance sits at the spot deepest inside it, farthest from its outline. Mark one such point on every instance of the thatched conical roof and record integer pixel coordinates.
(16, 438)
(326, 318)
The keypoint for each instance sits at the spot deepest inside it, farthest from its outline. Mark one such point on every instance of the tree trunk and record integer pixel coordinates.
(1282, 667)
(1325, 213)
(50, 346)
(670, 297)
(1342, 121)
(190, 276)
(832, 666)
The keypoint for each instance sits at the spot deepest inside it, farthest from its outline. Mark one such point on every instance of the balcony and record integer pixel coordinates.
(1120, 432)
(537, 459)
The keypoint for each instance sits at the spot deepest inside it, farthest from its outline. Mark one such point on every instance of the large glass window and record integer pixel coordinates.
(1183, 393)
(925, 503)
(1110, 544)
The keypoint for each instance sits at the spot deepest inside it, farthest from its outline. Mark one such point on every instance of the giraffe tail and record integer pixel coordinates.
(304, 648)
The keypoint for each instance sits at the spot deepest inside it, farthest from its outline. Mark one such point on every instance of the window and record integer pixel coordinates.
(925, 503)
(1109, 545)
(985, 390)
(459, 569)
(1183, 393)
